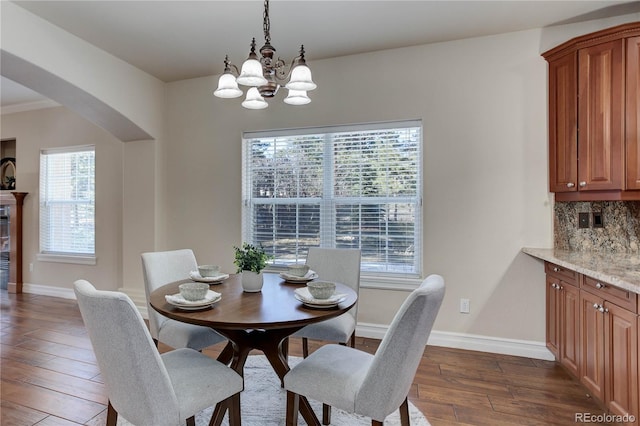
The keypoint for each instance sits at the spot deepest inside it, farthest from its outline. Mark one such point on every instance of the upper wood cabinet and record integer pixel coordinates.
(593, 95)
(633, 113)
(563, 124)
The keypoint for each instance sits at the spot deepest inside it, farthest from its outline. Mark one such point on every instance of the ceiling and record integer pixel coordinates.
(176, 40)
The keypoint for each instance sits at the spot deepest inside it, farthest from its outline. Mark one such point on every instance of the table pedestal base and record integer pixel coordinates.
(273, 344)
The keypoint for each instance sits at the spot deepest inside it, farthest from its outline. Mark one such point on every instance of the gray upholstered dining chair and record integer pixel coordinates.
(365, 384)
(159, 269)
(340, 265)
(146, 388)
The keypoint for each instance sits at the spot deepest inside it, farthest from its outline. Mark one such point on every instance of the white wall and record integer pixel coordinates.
(59, 127)
(483, 106)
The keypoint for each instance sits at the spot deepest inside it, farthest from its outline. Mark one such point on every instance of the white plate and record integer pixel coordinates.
(298, 280)
(304, 296)
(195, 308)
(320, 305)
(178, 300)
(195, 276)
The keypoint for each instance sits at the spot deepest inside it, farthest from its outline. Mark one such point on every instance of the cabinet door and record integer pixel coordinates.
(621, 359)
(592, 344)
(633, 113)
(570, 343)
(563, 124)
(600, 116)
(554, 315)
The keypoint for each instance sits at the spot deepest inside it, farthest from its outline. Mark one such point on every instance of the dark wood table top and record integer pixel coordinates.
(273, 307)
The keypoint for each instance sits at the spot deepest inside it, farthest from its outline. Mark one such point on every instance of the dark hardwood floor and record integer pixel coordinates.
(49, 376)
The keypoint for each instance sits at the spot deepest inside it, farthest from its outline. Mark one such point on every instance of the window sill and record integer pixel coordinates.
(65, 258)
(389, 282)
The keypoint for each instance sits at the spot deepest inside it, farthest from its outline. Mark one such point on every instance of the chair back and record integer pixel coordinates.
(339, 265)
(137, 381)
(396, 361)
(161, 268)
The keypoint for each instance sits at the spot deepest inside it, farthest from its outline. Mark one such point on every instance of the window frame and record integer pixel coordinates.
(381, 279)
(83, 258)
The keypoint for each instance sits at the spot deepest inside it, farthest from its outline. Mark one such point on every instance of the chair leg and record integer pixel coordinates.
(404, 413)
(234, 410)
(326, 414)
(293, 401)
(352, 340)
(112, 415)
(285, 348)
(305, 347)
(191, 421)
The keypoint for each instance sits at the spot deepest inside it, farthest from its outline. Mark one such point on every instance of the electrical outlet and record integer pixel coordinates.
(598, 220)
(583, 220)
(464, 306)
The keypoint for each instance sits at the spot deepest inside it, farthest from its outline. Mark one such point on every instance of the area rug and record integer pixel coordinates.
(263, 402)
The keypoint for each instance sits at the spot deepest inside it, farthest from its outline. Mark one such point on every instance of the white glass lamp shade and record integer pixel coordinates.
(227, 87)
(254, 100)
(297, 97)
(251, 74)
(301, 79)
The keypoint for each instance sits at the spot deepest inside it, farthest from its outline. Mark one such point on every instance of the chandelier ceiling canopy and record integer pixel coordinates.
(264, 75)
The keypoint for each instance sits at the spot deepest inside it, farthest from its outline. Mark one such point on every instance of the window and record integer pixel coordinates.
(67, 204)
(356, 186)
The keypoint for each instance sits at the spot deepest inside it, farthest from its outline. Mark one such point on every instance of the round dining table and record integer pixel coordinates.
(262, 320)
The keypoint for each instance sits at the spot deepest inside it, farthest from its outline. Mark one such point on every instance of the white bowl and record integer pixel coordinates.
(207, 271)
(193, 291)
(321, 289)
(298, 270)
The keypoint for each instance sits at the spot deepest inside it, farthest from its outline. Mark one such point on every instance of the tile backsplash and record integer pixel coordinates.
(620, 233)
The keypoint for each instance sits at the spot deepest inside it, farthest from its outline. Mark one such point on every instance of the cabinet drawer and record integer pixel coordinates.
(623, 298)
(567, 275)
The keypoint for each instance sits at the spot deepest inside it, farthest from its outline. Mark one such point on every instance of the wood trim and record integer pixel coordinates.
(614, 33)
(598, 196)
(15, 237)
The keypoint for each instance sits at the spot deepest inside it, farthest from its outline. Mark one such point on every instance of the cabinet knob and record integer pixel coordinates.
(570, 184)
(556, 269)
(599, 285)
(596, 306)
(583, 184)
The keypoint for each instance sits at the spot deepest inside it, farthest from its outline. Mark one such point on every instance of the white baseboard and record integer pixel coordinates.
(47, 290)
(138, 297)
(473, 342)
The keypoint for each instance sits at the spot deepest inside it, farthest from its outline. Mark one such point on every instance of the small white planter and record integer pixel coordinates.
(251, 282)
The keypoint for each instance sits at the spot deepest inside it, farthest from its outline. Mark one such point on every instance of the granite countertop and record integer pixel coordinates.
(619, 269)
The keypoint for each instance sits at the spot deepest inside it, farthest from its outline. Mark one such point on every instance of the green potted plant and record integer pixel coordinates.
(250, 260)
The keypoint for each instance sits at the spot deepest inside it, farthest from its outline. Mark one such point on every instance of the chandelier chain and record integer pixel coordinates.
(266, 23)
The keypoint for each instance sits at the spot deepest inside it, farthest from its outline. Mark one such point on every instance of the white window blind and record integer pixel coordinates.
(67, 201)
(353, 186)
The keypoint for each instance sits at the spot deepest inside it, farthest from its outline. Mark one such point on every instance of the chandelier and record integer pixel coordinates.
(264, 75)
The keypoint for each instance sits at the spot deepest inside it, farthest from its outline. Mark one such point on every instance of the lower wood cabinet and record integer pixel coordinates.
(595, 339)
(562, 320)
